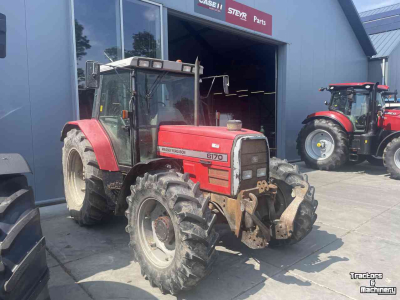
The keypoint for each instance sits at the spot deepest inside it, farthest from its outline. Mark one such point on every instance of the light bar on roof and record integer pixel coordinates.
(144, 63)
(157, 64)
(187, 69)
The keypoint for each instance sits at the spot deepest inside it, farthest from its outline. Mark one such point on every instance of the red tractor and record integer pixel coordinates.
(144, 154)
(356, 127)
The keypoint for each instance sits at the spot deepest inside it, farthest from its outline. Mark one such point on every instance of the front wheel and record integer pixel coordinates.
(171, 231)
(286, 177)
(323, 144)
(391, 158)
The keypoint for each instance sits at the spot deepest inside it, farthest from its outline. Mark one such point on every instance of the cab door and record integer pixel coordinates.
(115, 94)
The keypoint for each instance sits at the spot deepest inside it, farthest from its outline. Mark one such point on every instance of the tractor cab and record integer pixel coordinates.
(354, 101)
(147, 91)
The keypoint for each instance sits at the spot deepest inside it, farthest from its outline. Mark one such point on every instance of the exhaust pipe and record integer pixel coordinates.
(373, 121)
(196, 91)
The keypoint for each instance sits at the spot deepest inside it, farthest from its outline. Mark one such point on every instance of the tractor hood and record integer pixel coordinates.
(207, 131)
(200, 143)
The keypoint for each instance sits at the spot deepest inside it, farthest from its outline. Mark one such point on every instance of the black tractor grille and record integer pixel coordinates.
(254, 155)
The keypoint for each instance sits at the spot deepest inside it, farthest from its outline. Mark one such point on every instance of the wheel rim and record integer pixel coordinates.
(319, 144)
(160, 253)
(397, 158)
(76, 177)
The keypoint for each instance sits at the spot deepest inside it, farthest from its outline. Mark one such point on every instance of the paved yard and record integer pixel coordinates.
(357, 230)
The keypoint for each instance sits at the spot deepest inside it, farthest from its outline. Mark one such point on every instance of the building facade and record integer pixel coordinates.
(301, 46)
(383, 26)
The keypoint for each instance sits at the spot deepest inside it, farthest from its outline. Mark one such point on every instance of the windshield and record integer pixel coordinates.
(354, 105)
(163, 97)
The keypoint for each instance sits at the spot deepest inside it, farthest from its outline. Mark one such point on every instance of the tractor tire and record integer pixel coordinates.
(83, 184)
(391, 158)
(338, 156)
(190, 229)
(23, 267)
(375, 161)
(287, 176)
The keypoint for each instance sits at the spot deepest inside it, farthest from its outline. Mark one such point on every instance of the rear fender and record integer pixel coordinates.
(338, 118)
(139, 170)
(385, 142)
(98, 138)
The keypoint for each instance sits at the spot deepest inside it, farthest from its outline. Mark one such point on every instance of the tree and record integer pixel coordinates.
(82, 44)
(144, 44)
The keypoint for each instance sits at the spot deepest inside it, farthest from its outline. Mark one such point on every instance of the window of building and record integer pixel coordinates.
(142, 29)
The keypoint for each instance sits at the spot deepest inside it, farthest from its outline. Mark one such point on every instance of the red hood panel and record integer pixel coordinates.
(390, 120)
(207, 131)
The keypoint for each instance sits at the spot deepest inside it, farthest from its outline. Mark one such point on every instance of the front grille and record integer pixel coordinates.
(254, 155)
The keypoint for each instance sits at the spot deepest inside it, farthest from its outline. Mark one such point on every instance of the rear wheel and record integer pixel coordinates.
(375, 161)
(84, 190)
(287, 176)
(23, 267)
(171, 231)
(391, 158)
(323, 144)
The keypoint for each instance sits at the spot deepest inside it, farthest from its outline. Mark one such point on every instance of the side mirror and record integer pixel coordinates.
(3, 35)
(225, 79)
(92, 74)
(322, 89)
(326, 102)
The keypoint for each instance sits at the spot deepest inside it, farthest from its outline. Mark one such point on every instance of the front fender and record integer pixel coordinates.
(339, 118)
(139, 170)
(385, 142)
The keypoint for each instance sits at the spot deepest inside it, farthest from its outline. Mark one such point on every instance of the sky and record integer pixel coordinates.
(363, 5)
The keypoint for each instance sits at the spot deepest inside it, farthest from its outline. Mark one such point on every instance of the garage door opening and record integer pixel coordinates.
(250, 64)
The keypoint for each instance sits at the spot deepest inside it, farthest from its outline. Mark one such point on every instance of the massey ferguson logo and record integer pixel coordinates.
(211, 5)
(237, 13)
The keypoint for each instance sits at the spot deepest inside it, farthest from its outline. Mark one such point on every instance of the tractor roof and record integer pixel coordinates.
(151, 63)
(358, 84)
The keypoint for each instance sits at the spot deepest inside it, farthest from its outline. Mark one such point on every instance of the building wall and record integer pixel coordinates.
(393, 68)
(320, 48)
(375, 71)
(38, 96)
(37, 86)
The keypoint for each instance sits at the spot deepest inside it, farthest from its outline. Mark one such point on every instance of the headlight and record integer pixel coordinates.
(187, 69)
(157, 64)
(144, 63)
(261, 172)
(247, 174)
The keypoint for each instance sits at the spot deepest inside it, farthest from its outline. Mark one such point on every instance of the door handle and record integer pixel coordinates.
(205, 162)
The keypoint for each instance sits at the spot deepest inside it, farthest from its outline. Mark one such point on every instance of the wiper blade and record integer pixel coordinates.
(155, 85)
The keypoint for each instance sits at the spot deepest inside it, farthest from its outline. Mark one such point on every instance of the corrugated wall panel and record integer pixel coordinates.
(49, 57)
(15, 101)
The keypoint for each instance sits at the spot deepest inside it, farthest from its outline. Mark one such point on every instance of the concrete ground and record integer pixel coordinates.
(357, 230)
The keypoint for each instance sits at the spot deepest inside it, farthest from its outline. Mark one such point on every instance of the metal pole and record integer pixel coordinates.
(196, 91)
(383, 70)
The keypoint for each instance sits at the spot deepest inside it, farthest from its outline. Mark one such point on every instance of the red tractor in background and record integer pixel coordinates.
(356, 127)
(144, 154)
